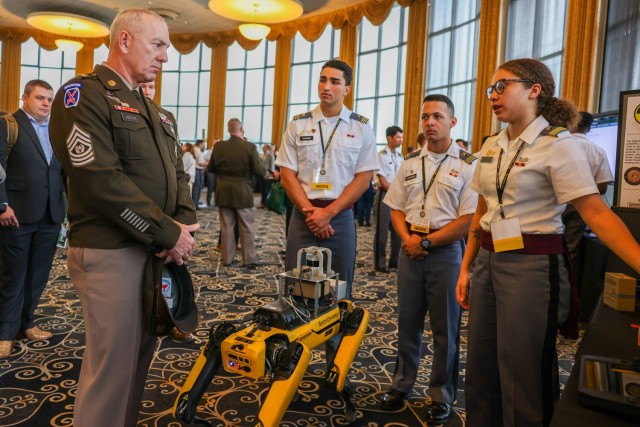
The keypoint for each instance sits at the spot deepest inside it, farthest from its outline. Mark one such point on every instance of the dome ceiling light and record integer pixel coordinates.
(256, 13)
(69, 25)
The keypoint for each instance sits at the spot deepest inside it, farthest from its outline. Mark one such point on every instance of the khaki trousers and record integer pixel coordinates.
(246, 219)
(118, 351)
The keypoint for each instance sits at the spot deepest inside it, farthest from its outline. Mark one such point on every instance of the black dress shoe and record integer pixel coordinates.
(382, 270)
(392, 400)
(438, 412)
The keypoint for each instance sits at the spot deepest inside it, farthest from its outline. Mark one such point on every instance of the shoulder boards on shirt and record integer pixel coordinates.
(359, 118)
(414, 153)
(302, 116)
(552, 130)
(467, 157)
(383, 151)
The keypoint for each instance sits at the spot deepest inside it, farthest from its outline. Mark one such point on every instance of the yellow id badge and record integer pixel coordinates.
(321, 180)
(419, 228)
(506, 235)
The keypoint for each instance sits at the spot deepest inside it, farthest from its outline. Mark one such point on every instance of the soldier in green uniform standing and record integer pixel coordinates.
(127, 191)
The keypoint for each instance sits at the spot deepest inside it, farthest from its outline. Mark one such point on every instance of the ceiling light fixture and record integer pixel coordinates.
(256, 13)
(67, 24)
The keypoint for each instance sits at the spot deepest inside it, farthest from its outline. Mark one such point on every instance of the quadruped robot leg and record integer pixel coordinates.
(201, 375)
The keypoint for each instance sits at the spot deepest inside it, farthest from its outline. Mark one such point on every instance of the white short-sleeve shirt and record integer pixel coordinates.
(597, 158)
(450, 195)
(352, 150)
(389, 163)
(548, 173)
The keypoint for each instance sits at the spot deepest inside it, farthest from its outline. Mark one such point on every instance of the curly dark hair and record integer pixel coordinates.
(558, 112)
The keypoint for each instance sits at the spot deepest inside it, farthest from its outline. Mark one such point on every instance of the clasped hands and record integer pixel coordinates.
(413, 249)
(181, 251)
(318, 220)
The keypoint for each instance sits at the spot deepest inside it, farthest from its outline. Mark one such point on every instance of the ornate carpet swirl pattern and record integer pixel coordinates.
(38, 382)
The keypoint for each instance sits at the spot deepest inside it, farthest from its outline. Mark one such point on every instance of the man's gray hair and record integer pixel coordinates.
(130, 20)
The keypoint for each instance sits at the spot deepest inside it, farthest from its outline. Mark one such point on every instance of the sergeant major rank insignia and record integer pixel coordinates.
(80, 147)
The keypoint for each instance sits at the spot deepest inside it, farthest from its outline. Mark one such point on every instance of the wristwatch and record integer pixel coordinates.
(3, 208)
(425, 243)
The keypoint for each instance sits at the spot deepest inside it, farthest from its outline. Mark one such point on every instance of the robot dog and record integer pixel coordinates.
(278, 340)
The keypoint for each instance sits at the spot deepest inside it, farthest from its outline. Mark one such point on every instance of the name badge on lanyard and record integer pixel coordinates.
(506, 232)
(321, 179)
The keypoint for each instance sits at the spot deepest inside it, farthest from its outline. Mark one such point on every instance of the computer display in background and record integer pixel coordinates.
(604, 132)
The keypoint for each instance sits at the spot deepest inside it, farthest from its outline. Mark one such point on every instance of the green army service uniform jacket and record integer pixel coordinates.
(235, 162)
(122, 156)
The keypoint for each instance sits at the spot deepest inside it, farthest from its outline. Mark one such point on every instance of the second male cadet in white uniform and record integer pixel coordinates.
(431, 209)
(389, 160)
(327, 159)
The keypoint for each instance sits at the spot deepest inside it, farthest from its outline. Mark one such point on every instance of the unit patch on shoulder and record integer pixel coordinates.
(359, 118)
(467, 157)
(80, 147)
(72, 95)
(302, 116)
(552, 131)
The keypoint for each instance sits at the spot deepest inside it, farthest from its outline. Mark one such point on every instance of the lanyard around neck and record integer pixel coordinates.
(426, 188)
(500, 187)
(325, 149)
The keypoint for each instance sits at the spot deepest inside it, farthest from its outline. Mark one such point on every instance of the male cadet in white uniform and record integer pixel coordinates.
(574, 226)
(389, 159)
(431, 209)
(327, 159)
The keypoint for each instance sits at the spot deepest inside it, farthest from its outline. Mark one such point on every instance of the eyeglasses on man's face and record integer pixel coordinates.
(501, 85)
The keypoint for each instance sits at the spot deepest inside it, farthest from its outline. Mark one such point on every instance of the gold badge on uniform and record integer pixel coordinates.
(111, 83)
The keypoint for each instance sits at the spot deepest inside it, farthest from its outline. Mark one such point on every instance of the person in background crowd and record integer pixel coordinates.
(127, 192)
(389, 161)
(431, 207)
(520, 293)
(235, 162)
(201, 163)
(32, 207)
(189, 162)
(268, 161)
(463, 144)
(364, 205)
(574, 226)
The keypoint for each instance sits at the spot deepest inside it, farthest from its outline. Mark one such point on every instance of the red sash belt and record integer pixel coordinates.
(534, 244)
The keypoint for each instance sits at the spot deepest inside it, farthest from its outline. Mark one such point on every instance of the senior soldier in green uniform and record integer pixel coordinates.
(234, 162)
(127, 191)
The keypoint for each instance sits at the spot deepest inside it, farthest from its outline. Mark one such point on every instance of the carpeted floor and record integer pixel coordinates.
(38, 382)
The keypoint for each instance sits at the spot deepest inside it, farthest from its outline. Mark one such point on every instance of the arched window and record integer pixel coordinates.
(381, 72)
(452, 57)
(54, 67)
(306, 62)
(249, 91)
(185, 90)
(536, 29)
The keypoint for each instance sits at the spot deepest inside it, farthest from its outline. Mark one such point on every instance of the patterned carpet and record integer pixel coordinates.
(38, 382)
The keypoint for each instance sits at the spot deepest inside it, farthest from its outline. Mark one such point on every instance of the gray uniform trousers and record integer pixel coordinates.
(429, 285)
(343, 250)
(516, 303)
(383, 229)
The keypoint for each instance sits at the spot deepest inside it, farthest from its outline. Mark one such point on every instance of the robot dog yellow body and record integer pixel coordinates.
(279, 339)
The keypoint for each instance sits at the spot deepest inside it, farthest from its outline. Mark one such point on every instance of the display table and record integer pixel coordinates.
(608, 335)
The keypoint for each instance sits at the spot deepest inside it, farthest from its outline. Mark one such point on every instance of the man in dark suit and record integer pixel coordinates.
(235, 162)
(32, 206)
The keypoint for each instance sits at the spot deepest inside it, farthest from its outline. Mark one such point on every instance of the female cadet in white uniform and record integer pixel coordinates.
(520, 292)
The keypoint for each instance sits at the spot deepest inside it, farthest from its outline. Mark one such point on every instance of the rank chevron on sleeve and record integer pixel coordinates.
(80, 147)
